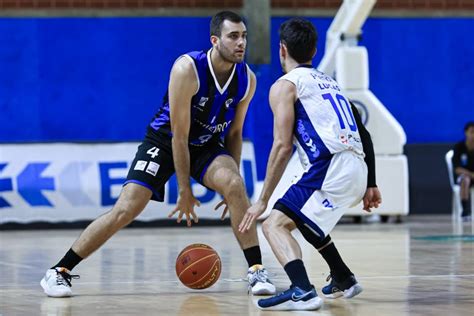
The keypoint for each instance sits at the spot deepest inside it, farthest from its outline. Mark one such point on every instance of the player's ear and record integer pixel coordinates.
(314, 52)
(214, 40)
(283, 50)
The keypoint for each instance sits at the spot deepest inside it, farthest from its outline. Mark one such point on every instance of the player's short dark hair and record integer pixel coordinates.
(300, 37)
(468, 125)
(219, 18)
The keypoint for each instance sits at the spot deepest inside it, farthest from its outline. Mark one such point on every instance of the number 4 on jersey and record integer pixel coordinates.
(153, 152)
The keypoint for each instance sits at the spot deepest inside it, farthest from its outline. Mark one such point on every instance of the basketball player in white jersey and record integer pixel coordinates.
(310, 110)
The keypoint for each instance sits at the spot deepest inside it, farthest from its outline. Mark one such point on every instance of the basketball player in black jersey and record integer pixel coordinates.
(181, 139)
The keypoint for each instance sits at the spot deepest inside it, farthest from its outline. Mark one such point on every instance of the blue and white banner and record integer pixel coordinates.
(69, 182)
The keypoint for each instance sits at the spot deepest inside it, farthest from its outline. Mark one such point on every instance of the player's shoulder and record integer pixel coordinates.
(191, 59)
(184, 64)
(196, 54)
(283, 87)
(249, 71)
(182, 68)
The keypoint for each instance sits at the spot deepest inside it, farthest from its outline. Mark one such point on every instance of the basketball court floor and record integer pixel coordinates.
(423, 266)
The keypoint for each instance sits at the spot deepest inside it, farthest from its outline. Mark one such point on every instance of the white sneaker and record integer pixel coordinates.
(57, 282)
(259, 284)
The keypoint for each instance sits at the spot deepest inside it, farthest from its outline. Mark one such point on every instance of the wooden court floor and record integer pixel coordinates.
(423, 266)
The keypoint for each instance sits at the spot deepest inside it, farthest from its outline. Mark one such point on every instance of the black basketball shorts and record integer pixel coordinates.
(153, 165)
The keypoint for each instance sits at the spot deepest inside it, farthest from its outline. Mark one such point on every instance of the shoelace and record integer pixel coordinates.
(334, 288)
(260, 276)
(64, 278)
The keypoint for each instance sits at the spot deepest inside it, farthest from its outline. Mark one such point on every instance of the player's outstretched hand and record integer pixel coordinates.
(185, 206)
(251, 216)
(372, 198)
(226, 208)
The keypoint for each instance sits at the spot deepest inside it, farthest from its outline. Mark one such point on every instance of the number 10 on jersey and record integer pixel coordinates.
(344, 107)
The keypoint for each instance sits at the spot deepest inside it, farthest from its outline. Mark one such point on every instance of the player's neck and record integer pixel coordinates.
(292, 64)
(220, 66)
(470, 145)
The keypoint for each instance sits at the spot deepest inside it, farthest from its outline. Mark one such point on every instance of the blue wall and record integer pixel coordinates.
(87, 79)
(91, 79)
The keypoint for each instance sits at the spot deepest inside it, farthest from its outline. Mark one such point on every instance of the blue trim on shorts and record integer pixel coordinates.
(291, 213)
(299, 193)
(157, 196)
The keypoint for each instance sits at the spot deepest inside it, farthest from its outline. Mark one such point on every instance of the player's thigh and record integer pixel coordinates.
(223, 174)
(151, 169)
(133, 199)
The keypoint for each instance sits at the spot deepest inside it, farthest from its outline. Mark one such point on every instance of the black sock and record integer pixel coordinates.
(253, 255)
(297, 274)
(69, 261)
(339, 270)
(466, 208)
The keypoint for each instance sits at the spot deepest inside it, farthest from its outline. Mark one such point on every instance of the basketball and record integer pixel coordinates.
(198, 266)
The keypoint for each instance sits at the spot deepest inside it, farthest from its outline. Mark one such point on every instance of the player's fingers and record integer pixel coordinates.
(188, 220)
(250, 222)
(180, 216)
(194, 216)
(366, 203)
(173, 212)
(219, 205)
(196, 202)
(247, 223)
(224, 213)
(242, 223)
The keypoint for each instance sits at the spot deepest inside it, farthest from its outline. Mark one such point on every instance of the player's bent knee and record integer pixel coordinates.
(273, 223)
(124, 214)
(464, 180)
(233, 186)
(123, 217)
(267, 228)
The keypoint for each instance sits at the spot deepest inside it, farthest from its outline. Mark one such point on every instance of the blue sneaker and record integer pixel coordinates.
(347, 288)
(292, 299)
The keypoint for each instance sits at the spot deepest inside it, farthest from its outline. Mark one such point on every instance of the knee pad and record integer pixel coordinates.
(314, 239)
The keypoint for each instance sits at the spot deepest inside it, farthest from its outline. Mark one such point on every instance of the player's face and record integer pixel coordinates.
(232, 42)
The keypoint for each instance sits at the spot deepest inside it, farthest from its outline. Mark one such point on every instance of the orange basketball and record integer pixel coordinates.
(198, 266)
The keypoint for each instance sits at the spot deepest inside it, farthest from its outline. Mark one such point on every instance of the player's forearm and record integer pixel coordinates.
(368, 147)
(279, 157)
(460, 171)
(181, 162)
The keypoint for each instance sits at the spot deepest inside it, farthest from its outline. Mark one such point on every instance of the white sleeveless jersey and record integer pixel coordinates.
(324, 122)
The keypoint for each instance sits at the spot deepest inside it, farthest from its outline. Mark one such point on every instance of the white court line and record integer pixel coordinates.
(17, 265)
(439, 276)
